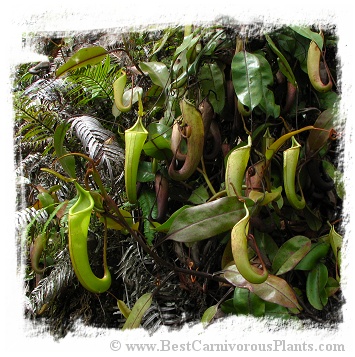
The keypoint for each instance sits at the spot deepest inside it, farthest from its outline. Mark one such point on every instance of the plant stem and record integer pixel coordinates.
(205, 176)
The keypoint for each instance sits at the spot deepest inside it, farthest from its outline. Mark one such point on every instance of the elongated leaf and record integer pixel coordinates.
(145, 172)
(332, 286)
(139, 309)
(264, 198)
(186, 43)
(328, 100)
(311, 259)
(147, 203)
(68, 162)
(336, 176)
(275, 310)
(286, 41)
(266, 243)
(199, 195)
(164, 227)
(82, 58)
(183, 57)
(160, 44)
(315, 286)
(158, 144)
(267, 102)
(318, 138)
(284, 66)
(207, 220)
(300, 52)
(227, 307)
(275, 146)
(313, 219)
(212, 85)
(268, 105)
(245, 302)
(157, 71)
(251, 76)
(290, 254)
(207, 50)
(125, 310)
(208, 315)
(336, 241)
(308, 33)
(274, 289)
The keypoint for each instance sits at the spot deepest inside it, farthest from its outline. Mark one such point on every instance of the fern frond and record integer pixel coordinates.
(48, 92)
(132, 269)
(24, 216)
(35, 123)
(50, 286)
(99, 143)
(93, 82)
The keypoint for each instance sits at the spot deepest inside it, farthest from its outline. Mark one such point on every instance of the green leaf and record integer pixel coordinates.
(164, 227)
(183, 53)
(82, 58)
(67, 162)
(290, 254)
(184, 45)
(213, 43)
(145, 172)
(268, 105)
(248, 303)
(336, 242)
(284, 66)
(328, 100)
(301, 50)
(125, 310)
(308, 33)
(264, 198)
(211, 80)
(207, 220)
(318, 138)
(52, 215)
(332, 286)
(157, 71)
(286, 41)
(58, 175)
(208, 315)
(227, 307)
(207, 50)
(313, 220)
(278, 311)
(336, 176)
(160, 44)
(199, 195)
(158, 144)
(311, 259)
(147, 203)
(274, 289)
(315, 286)
(139, 309)
(266, 244)
(251, 76)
